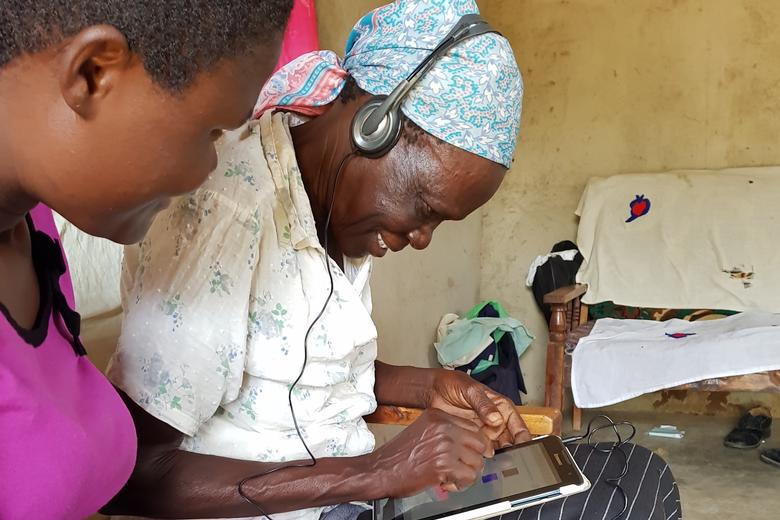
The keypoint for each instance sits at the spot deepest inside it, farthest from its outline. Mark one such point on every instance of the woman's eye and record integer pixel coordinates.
(425, 210)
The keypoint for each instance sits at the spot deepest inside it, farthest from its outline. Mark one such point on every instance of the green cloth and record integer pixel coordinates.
(610, 309)
(475, 310)
(470, 335)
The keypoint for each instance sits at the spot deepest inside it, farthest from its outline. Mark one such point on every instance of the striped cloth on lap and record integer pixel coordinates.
(649, 486)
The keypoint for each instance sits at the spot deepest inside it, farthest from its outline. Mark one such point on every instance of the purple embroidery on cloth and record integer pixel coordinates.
(680, 335)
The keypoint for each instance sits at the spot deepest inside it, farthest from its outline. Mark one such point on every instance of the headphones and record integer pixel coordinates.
(376, 125)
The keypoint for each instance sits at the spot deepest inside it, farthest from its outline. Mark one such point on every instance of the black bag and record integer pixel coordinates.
(554, 274)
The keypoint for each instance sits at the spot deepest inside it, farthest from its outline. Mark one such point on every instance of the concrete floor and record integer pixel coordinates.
(715, 482)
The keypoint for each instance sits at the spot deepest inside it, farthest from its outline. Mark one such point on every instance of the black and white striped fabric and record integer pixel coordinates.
(649, 486)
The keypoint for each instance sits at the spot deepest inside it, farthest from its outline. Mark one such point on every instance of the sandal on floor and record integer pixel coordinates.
(771, 457)
(753, 428)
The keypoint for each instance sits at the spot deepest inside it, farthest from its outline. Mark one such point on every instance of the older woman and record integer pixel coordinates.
(224, 300)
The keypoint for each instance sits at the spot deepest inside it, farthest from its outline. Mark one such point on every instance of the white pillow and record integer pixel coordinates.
(95, 266)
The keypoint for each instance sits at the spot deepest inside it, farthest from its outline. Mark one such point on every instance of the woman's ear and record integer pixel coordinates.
(90, 65)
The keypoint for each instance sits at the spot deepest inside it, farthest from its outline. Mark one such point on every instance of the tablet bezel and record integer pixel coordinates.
(568, 472)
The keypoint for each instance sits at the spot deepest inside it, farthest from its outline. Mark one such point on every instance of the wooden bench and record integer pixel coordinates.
(569, 319)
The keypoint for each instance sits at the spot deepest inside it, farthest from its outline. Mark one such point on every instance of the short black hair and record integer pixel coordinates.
(411, 131)
(175, 39)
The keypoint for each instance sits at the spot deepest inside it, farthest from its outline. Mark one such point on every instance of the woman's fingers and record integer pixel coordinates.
(512, 420)
(486, 409)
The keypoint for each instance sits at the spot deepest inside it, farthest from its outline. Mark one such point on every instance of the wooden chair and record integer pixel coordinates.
(569, 322)
(540, 421)
(568, 313)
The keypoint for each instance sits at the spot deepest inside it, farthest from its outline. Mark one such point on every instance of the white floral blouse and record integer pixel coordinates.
(217, 300)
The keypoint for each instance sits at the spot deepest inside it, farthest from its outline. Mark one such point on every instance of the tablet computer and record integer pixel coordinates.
(522, 476)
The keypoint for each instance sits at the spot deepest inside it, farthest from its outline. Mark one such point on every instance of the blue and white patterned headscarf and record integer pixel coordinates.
(471, 98)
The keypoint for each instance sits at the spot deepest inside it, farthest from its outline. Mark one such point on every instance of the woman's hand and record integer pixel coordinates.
(438, 449)
(458, 394)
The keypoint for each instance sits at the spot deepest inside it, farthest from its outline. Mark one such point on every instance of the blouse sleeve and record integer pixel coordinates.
(185, 296)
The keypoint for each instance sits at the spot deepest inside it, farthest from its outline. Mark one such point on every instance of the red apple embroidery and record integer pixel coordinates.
(638, 207)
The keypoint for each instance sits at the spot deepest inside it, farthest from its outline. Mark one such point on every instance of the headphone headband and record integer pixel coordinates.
(468, 26)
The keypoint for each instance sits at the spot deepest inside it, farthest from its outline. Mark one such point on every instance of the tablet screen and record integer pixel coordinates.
(507, 476)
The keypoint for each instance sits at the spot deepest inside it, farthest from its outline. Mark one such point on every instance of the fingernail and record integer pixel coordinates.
(494, 418)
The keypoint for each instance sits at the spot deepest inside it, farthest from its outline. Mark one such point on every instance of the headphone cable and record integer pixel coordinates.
(614, 447)
(312, 459)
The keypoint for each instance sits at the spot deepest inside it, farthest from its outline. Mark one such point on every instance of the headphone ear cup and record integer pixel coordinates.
(380, 142)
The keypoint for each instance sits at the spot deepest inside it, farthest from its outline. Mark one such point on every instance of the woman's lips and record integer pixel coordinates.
(389, 242)
(377, 247)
